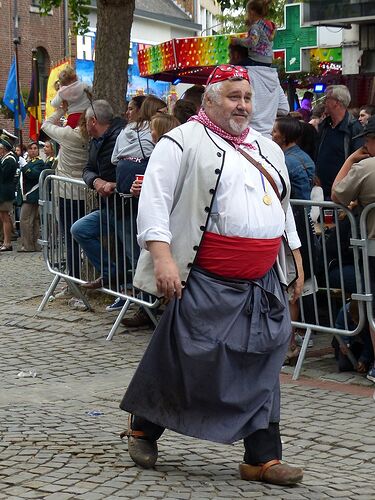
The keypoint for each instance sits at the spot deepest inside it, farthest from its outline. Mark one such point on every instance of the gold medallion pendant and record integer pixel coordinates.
(267, 200)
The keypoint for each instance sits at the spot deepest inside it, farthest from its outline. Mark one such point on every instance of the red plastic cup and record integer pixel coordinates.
(328, 216)
(139, 177)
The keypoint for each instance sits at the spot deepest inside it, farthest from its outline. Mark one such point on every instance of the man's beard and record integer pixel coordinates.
(238, 127)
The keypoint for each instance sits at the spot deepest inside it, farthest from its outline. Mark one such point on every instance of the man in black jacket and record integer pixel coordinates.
(99, 174)
(336, 139)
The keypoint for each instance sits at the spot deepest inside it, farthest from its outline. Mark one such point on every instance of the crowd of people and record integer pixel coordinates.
(107, 152)
(211, 181)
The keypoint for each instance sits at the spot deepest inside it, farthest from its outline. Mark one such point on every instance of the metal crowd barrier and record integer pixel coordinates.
(64, 201)
(368, 252)
(334, 282)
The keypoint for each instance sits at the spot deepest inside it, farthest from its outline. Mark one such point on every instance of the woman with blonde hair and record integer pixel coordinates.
(160, 124)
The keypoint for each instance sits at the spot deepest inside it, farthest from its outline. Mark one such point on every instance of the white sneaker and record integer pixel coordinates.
(77, 304)
(300, 339)
(63, 293)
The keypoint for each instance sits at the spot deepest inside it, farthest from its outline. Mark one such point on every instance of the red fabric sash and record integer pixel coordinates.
(234, 257)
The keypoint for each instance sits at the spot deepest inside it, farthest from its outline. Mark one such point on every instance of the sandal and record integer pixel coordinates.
(5, 248)
(142, 451)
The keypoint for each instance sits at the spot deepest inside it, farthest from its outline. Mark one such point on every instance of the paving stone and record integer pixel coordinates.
(50, 443)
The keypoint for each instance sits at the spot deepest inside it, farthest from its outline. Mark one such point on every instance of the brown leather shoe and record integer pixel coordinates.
(140, 318)
(273, 472)
(93, 285)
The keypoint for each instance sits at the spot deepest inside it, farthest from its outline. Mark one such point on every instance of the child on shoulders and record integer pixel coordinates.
(260, 35)
(74, 92)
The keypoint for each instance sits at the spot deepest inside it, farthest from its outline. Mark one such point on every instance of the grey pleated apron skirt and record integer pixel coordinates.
(212, 367)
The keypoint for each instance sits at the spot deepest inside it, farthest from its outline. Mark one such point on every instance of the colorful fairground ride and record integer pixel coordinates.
(184, 60)
(301, 63)
(190, 60)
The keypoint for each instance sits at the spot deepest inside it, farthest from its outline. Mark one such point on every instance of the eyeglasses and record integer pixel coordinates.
(89, 97)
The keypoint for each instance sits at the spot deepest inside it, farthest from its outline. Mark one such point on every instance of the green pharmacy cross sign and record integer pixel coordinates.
(294, 38)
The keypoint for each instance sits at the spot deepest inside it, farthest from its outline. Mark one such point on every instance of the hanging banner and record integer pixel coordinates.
(51, 88)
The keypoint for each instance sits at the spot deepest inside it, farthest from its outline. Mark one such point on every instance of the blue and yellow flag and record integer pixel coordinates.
(10, 98)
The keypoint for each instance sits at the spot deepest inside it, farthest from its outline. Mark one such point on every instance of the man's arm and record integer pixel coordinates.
(167, 277)
(90, 173)
(357, 156)
(155, 205)
(92, 179)
(157, 193)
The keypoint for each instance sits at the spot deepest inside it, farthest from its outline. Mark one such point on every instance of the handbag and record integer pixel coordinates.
(127, 168)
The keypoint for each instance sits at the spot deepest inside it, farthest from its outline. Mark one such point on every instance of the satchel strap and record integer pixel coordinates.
(140, 143)
(260, 167)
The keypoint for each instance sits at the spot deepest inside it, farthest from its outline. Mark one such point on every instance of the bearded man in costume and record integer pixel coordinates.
(213, 221)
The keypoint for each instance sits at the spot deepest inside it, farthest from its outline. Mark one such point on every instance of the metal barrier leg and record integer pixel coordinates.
(302, 355)
(150, 315)
(77, 292)
(49, 292)
(116, 324)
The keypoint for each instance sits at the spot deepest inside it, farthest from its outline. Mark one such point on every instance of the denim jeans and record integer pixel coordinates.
(69, 212)
(87, 232)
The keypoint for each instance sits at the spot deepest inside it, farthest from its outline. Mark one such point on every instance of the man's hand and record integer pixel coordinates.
(103, 187)
(108, 188)
(167, 277)
(359, 155)
(298, 285)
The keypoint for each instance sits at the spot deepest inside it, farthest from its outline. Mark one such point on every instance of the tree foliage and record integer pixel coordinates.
(78, 9)
(233, 17)
(114, 21)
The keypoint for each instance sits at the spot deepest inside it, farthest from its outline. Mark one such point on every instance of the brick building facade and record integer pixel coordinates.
(46, 34)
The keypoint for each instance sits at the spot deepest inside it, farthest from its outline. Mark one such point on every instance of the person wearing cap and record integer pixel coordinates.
(29, 189)
(356, 181)
(213, 209)
(8, 170)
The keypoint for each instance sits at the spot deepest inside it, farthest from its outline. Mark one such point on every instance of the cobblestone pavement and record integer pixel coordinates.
(52, 448)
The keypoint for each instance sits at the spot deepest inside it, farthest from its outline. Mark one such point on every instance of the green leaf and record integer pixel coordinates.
(78, 10)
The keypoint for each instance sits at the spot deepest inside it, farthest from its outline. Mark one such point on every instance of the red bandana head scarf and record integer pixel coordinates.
(220, 74)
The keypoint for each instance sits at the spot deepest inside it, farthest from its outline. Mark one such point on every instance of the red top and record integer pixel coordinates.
(235, 257)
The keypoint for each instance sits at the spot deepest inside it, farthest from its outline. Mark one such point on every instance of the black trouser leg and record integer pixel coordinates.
(152, 431)
(263, 445)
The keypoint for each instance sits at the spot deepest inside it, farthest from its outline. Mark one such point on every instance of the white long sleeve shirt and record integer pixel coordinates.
(239, 198)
